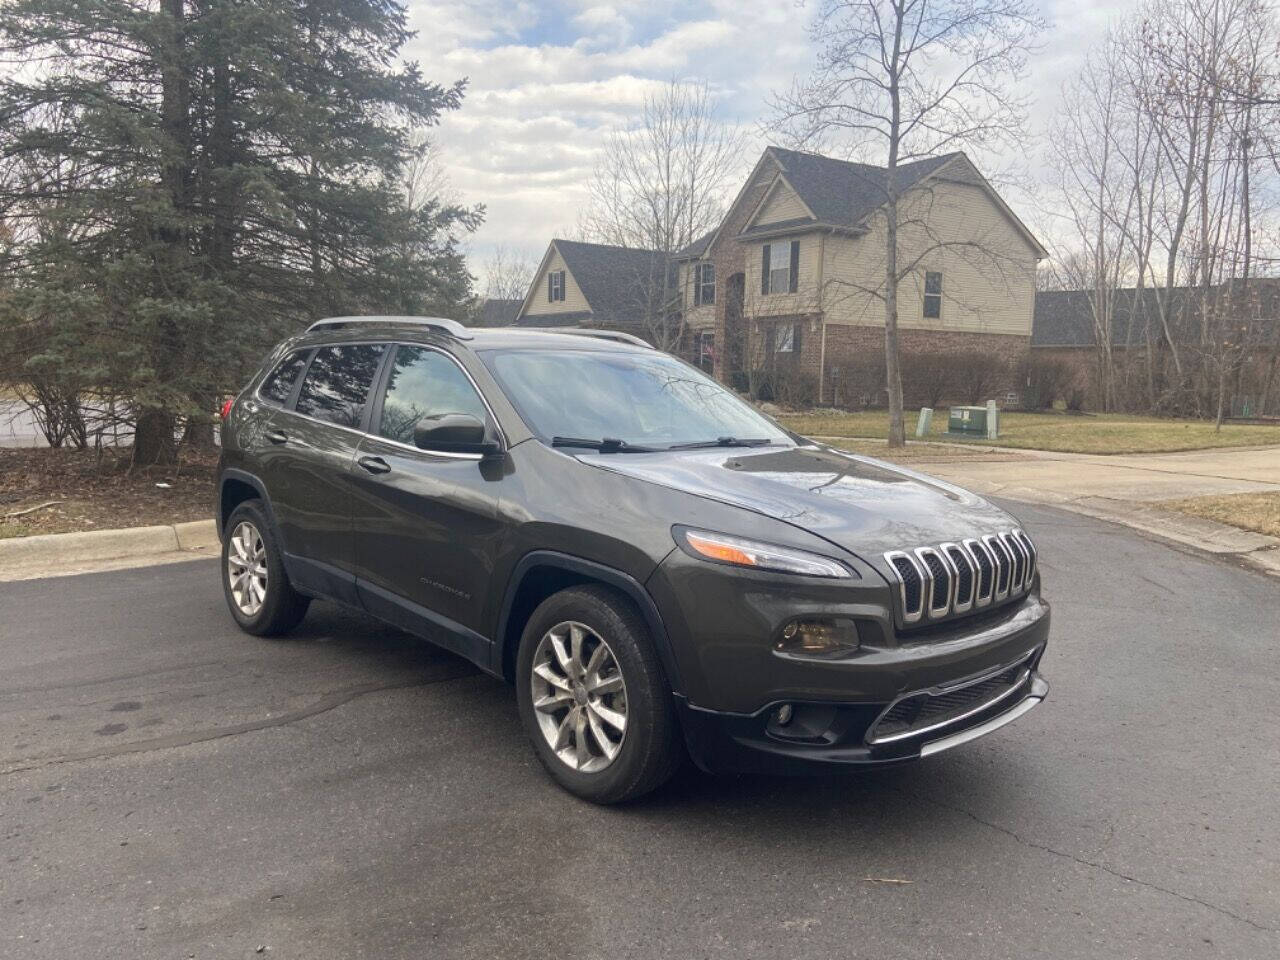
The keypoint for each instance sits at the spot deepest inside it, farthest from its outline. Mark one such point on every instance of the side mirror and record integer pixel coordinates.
(455, 433)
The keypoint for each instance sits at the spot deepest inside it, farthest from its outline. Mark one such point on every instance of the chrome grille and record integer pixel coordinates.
(949, 579)
(966, 572)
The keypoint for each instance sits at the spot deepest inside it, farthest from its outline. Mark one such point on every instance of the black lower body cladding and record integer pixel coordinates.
(724, 626)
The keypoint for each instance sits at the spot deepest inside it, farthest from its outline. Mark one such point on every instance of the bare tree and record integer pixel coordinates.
(661, 183)
(507, 274)
(914, 79)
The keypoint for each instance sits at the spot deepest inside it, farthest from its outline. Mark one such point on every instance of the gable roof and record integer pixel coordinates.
(844, 193)
(496, 312)
(697, 248)
(616, 281)
(1064, 318)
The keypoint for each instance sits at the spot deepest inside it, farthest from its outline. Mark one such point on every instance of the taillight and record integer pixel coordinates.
(226, 408)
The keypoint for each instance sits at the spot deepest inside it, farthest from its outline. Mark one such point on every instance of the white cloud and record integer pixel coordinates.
(549, 79)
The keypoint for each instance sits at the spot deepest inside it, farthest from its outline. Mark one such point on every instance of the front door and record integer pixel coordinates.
(307, 459)
(426, 523)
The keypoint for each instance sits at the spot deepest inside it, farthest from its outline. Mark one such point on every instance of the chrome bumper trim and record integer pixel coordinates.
(1039, 689)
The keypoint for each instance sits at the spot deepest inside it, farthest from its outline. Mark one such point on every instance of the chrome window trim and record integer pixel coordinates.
(980, 599)
(937, 613)
(956, 606)
(1003, 562)
(925, 579)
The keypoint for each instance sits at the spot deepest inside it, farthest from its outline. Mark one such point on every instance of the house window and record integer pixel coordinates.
(555, 286)
(706, 350)
(784, 338)
(779, 264)
(932, 295)
(704, 284)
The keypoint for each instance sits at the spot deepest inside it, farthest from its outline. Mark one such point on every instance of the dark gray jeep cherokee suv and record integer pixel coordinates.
(658, 568)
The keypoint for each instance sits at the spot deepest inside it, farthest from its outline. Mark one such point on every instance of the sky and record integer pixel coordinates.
(549, 79)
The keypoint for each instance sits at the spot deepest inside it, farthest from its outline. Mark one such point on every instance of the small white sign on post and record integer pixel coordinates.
(926, 418)
(993, 420)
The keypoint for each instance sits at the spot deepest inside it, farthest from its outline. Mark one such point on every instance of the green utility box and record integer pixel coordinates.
(968, 422)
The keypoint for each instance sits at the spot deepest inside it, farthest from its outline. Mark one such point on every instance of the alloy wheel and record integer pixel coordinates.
(579, 697)
(247, 568)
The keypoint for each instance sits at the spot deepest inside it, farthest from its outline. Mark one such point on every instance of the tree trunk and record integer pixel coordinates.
(893, 365)
(153, 437)
(892, 362)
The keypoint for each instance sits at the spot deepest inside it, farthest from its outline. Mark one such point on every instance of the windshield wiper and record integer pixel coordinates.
(604, 445)
(723, 442)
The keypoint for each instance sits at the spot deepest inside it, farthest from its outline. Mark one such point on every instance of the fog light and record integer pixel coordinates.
(782, 716)
(819, 637)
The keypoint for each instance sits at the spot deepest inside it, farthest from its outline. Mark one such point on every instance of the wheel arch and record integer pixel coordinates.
(234, 488)
(540, 574)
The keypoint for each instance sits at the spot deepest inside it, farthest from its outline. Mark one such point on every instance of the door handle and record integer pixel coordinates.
(374, 464)
(278, 436)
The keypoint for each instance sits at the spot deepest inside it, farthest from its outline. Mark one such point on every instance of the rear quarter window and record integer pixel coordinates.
(278, 385)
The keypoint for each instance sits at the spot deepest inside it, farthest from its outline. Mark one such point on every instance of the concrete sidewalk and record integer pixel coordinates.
(1125, 489)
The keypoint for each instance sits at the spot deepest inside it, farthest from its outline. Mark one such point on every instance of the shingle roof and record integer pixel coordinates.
(499, 313)
(845, 193)
(617, 281)
(695, 249)
(573, 318)
(1064, 318)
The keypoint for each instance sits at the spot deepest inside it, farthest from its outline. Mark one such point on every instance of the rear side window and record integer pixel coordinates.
(338, 382)
(424, 383)
(279, 383)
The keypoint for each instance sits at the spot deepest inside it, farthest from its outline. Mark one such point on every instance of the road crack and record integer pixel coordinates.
(1053, 851)
(330, 702)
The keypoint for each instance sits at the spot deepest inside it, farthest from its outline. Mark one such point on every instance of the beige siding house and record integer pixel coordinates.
(790, 285)
(595, 284)
(793, 279)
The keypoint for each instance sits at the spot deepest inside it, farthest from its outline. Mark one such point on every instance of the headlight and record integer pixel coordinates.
(737, 552)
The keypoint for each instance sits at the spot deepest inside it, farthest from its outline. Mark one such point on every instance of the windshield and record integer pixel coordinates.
(643, 400)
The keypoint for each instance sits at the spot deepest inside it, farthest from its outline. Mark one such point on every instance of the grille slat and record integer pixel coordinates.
(957, 578)
(964, 575)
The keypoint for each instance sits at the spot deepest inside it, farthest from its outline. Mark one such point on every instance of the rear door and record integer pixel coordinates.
(426, 522)
(307, 453)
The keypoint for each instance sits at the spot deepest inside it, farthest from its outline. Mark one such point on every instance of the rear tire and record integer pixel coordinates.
(259, 594)
(602, 722)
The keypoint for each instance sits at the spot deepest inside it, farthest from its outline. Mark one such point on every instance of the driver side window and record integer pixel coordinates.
(424, 383)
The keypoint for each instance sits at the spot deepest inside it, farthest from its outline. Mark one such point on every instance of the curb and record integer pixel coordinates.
(52, 554)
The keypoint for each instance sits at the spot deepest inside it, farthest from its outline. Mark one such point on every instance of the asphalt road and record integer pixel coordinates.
(172, 788)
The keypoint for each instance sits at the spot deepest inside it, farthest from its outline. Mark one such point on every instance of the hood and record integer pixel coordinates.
(865, 506)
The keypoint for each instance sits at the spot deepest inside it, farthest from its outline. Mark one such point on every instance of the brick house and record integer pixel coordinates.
(790, 282)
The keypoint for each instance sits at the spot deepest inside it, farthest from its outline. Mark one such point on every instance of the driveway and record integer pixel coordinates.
(1047, 477)
(173, 788)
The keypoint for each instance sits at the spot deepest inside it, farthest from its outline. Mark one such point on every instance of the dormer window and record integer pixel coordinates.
(780, 266)
(704, 284)
(555, 286)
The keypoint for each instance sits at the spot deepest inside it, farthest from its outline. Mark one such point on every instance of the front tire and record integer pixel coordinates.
(259, 594)
(593, 697)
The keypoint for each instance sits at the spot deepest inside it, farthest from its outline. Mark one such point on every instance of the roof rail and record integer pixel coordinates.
(451, 327)
(615, 335)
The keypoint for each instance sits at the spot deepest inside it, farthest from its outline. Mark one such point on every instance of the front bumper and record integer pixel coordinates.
(823, 737)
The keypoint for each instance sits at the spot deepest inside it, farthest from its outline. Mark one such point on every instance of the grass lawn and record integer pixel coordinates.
(1259, 512)
(1103, 433)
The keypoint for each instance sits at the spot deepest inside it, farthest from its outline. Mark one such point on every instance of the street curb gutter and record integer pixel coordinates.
(22, 558)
